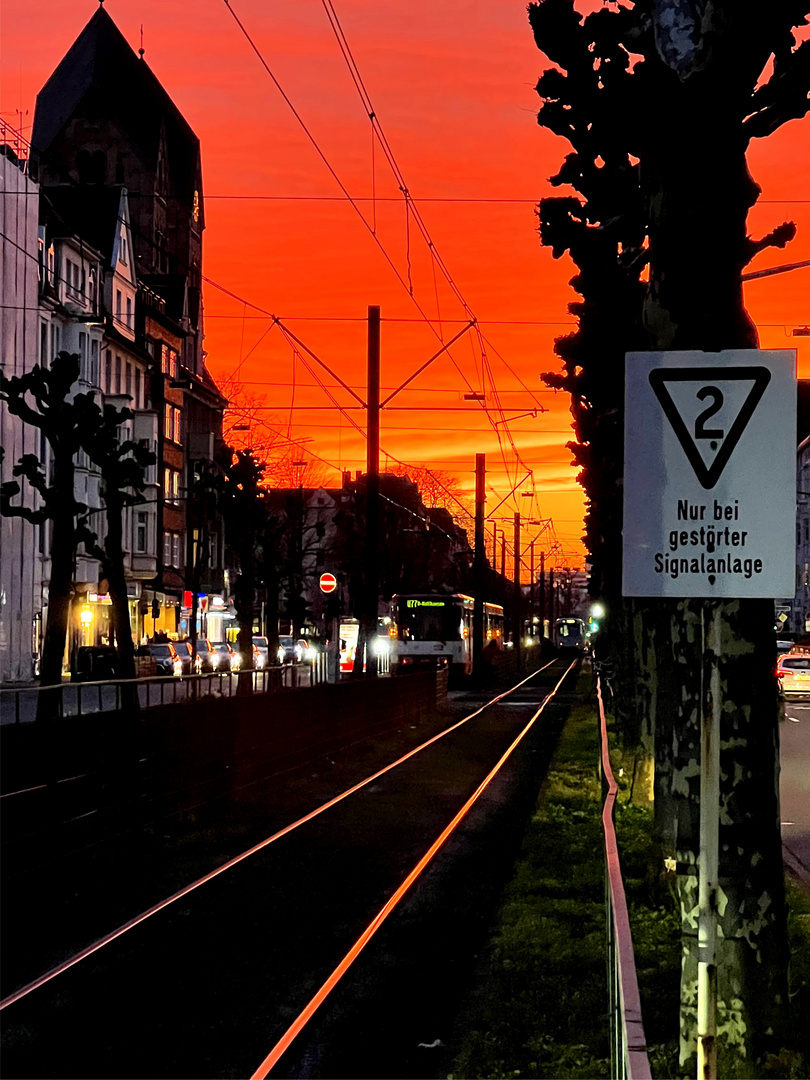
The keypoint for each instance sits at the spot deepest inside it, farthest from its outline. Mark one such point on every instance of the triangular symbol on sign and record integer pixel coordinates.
(708, 392)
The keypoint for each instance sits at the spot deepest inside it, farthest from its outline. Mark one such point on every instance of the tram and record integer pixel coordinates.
(436, 630)
(569, 633)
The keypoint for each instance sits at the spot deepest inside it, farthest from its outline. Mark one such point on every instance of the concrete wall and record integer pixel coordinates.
(178, 758)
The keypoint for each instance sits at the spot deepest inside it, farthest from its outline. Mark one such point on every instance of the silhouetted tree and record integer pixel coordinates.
(122, 465)
(659, 99)
(41, 398)
(241, 504)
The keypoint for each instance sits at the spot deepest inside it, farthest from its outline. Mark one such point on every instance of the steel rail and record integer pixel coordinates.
(626, 1026)
(331, 982)
(94, 947)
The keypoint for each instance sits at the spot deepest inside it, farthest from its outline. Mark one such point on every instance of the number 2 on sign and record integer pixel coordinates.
(701, 431)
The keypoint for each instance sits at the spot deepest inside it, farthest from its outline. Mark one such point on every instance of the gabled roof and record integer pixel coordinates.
(102, 71)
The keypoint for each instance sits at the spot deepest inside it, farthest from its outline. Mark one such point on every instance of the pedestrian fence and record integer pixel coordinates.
(19, 705)
(628, 1044)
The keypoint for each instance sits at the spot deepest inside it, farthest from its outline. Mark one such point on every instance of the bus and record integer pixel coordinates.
(569, 633)
(434, 630)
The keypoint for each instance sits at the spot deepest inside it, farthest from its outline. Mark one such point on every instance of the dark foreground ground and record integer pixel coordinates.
(391, 1014)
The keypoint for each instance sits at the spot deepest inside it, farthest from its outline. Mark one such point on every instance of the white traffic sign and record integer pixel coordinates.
(710, 474)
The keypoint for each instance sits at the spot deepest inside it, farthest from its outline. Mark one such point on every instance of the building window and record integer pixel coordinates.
(51, 265)
(124, 254)
(138, 403)
(94, 363)
(129, 312)
(55, 335)
(171, 485)
(108, 372)
(83, 354)
(118, 365)
(176, 560)
(167, 549)
(171, 423)
(43, 344)
(91, 288)
(195, 210)
(141, 532)
(118, 305)
(128, 379)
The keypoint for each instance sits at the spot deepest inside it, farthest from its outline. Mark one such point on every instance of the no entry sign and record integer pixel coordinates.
(710, 474)
(328, 583)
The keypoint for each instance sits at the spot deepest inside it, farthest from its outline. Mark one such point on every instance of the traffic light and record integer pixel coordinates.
(155, 609)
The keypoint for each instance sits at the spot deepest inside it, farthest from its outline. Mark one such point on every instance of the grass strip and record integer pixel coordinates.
(539, 1007)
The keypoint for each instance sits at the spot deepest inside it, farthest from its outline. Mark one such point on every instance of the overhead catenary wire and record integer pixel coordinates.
(392, 163)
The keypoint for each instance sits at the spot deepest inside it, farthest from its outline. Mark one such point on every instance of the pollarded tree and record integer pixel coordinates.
(243, 510)
(42, 398)
(659, 99)
(122, 464)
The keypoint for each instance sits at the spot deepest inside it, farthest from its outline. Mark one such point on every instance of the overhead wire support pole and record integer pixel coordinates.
(479, 561)
(516, 618)
(372, 489)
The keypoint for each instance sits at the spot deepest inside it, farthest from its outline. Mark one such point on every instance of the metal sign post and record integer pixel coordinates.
(709, 853)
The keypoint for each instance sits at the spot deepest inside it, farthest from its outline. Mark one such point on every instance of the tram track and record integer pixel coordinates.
(227, 895)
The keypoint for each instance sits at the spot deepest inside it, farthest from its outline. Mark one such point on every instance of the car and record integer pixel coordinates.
(222, 656)
(183, 650)
(289, 651)
(783, 646)
(204, 656)
(261, 648)
(167, 662)
(308, 650)
(793, 674)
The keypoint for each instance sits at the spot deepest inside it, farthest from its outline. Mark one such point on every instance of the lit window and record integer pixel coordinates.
(176, 549)
(195, 213)
(175, 485)
(167, 549)
(164, 358)
(176, 423)
(167, 421)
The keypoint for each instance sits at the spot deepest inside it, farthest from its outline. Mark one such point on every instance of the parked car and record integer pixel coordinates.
(307, 650)
(222, 656)
(236, 662)
(793, 674)
(289, 651)
(95, 663)
(183, 649)
(261, 646)
(167, 662)
(204, 656)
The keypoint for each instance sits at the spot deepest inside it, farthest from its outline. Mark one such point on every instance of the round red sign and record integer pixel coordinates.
(328, 582)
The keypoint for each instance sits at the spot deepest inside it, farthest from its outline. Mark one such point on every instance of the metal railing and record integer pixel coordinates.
(628, 1044)
(19, 705)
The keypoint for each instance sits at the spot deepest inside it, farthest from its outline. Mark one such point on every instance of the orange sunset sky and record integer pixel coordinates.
(452, 85)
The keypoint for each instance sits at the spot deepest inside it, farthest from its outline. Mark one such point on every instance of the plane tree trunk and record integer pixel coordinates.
(698, 192)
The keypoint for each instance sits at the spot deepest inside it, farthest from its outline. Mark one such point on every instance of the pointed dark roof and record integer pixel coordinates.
(88, 212)
(101, 71)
